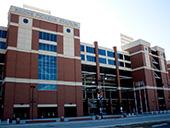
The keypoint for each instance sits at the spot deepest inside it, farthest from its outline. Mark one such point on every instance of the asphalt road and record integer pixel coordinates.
(164, 124)
(144, 121)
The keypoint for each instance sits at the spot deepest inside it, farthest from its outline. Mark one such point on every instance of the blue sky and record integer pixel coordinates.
(104, 20)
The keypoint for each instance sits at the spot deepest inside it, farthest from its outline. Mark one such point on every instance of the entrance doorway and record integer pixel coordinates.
(70, 111)
(47, 112)
(22, 113)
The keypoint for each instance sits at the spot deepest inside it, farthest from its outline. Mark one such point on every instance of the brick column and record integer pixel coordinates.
(118, 76)
(33, 101)
(97, 64)
(8, 100)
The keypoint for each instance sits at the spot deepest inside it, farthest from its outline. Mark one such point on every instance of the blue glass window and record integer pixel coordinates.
(91, 58)
(47, 67)
(3, 45)
(47, 47)
(111, 62)
(3, 34)
(110, 54)
(47, 36)
(82, 57)
(102, 52)
(82, 48)
(102, 60)
(47, 87)
(89, 49)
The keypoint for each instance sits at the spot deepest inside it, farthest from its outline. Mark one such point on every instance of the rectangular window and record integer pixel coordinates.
(102, 52)
(120, 56)
(91, 58)
(127, 65)
(3, 34)
(82, 48)
(110, 54)
(89, 49)
(102, 60)
(47, 36)
(3, 45)
(127, 57)
(47, 87)
(2, 58)
(121, 64)
(47, 47)
(111, 62)
(47, 67)
(82, 57)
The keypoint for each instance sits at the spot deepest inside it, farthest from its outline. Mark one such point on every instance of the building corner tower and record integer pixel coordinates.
(43, 66)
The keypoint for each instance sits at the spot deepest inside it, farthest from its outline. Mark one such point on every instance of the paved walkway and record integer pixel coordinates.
(104, 123)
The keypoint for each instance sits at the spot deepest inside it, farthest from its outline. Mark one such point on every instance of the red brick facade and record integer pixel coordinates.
(23, 65)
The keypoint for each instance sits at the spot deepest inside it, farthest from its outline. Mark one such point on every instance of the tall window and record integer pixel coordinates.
(47, 67)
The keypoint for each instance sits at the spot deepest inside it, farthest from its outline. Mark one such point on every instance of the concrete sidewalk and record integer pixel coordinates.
(66, 119)
(91, 122)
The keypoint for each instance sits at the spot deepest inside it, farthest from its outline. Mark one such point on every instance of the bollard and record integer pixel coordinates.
(17, 120)
(97, 117)
(62, 118)
(7, 121)
(10, 120)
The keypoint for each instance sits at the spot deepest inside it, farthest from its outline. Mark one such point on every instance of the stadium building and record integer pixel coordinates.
(46, 72)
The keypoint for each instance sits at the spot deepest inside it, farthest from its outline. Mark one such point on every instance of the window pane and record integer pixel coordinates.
(111, 62)
(91, 58)
(47, 36)
(102, 52)
(120, 56)
(47, 47)
(82, 48)
(110, 54)
(3, 45)
(121, 64)
(82, 57)
(127, 57)
(3, 34)
(89, 49)
(102, 60)
(127, 65)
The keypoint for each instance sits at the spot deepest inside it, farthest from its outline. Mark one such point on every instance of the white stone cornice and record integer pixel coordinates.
(44, 17)
(37, 81)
